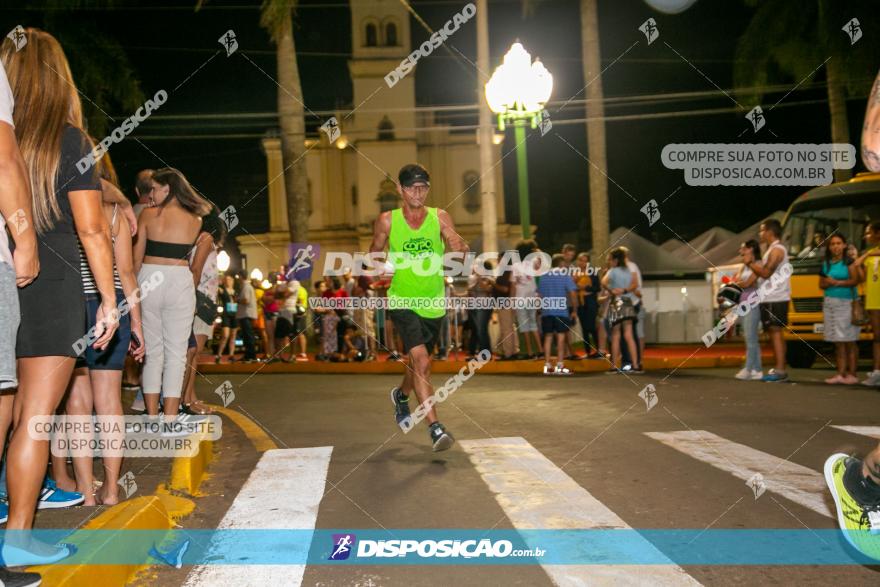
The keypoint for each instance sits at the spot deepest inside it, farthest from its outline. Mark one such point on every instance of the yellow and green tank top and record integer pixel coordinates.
(417, 255)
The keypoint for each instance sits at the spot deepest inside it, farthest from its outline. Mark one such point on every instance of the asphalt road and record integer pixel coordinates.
(683, 464)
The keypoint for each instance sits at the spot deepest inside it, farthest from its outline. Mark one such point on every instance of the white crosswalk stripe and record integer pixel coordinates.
(536, 494)
(870, 431)
(795, 482)
(283, 491)
(532, 491)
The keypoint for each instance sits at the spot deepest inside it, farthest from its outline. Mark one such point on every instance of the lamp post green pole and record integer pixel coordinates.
(522, 174)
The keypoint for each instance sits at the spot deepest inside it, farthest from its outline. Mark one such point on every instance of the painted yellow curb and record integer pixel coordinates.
(154, 512)
(251, 429)
(187, 473)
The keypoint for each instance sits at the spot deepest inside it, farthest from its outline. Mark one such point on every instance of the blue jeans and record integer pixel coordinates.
(750, 323)
(479, 320)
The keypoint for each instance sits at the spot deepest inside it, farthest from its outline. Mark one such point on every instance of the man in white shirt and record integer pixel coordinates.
(523, 285)
(774, 304)
(16, 269)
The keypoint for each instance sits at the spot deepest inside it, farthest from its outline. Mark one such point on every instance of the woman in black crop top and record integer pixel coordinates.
(167, 233)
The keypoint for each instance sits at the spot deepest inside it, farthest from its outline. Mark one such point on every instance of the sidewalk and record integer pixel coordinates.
(659, 357)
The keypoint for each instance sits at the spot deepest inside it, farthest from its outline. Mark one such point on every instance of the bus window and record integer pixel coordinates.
(807, 231)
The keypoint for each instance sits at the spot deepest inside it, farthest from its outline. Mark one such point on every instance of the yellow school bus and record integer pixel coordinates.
(845, 207)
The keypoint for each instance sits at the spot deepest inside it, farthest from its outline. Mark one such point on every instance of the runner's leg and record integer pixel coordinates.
(420, 373)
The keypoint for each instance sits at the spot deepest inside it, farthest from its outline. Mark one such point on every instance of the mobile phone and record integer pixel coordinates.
(135, 341)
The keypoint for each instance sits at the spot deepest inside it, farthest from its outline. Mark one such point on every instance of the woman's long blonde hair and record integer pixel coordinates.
(46, 100)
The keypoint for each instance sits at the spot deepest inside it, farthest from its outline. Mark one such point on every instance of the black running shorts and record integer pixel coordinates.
(414, 329)
(774, 314)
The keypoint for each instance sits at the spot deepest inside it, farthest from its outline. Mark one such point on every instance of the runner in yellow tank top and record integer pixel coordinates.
(417, 234)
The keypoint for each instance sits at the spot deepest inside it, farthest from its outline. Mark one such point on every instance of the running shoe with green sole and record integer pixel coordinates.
(860, 524)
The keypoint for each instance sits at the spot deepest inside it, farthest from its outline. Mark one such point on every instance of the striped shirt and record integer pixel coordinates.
(88, 280)
(555, 284)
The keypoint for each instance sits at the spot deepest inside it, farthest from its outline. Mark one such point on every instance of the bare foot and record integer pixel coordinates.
(107, 496)
(88, 495)
(201, 407)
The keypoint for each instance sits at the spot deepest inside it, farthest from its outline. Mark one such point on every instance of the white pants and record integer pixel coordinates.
(167, 312)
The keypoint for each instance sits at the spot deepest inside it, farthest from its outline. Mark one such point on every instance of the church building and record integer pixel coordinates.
(351, 179)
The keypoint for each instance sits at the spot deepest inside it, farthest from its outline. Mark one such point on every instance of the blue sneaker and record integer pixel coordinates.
(52, 498)
(773, 376)
(4, 511)
(401, 406)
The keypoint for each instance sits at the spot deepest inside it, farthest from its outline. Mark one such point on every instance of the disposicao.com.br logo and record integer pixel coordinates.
(344, 544)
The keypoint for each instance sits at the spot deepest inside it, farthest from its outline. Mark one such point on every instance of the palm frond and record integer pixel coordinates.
(274, 16)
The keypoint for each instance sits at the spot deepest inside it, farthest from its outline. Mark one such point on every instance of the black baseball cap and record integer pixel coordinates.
(412, 174)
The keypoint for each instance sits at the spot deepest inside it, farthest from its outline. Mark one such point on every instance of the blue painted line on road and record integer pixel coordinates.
(463, 546)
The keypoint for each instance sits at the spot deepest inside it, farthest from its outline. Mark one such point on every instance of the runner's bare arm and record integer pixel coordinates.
(381, 230)
(453, 240)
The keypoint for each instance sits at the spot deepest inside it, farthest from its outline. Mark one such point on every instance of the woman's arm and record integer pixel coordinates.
(122, 249)
(204, 246)
(853, 279)
(744, 283)
(748, 282)
(140, 243)
(94, 234)
(112, 195)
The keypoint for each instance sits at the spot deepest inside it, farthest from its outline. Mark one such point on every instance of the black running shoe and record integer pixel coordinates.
(401, 406)
(441, 439)
(12, 579)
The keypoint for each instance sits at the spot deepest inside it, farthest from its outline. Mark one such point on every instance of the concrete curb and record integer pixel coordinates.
(187, 473)
(155, 512)
(695, 361)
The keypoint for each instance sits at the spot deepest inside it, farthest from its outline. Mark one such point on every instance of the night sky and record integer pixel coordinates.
(167, 41)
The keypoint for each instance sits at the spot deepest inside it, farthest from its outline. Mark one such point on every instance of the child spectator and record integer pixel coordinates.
(557, 287)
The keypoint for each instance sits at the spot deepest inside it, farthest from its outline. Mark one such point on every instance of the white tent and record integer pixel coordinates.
(709, 239)
(672, 245)
(727, 252)
(649, 257)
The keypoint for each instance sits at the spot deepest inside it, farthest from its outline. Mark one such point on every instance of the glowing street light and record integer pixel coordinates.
(223, 261)
(517, 92)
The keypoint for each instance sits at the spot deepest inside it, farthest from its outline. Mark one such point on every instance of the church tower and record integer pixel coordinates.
(383, 117)
(351, 179)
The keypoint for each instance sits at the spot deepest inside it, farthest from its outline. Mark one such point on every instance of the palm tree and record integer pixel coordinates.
(592, 63)
(277, 17)
(100, 66)
(796, 40)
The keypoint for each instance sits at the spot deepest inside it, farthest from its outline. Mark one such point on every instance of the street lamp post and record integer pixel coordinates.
(517, 92)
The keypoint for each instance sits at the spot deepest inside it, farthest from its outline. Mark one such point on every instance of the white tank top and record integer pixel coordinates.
(782, 291)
